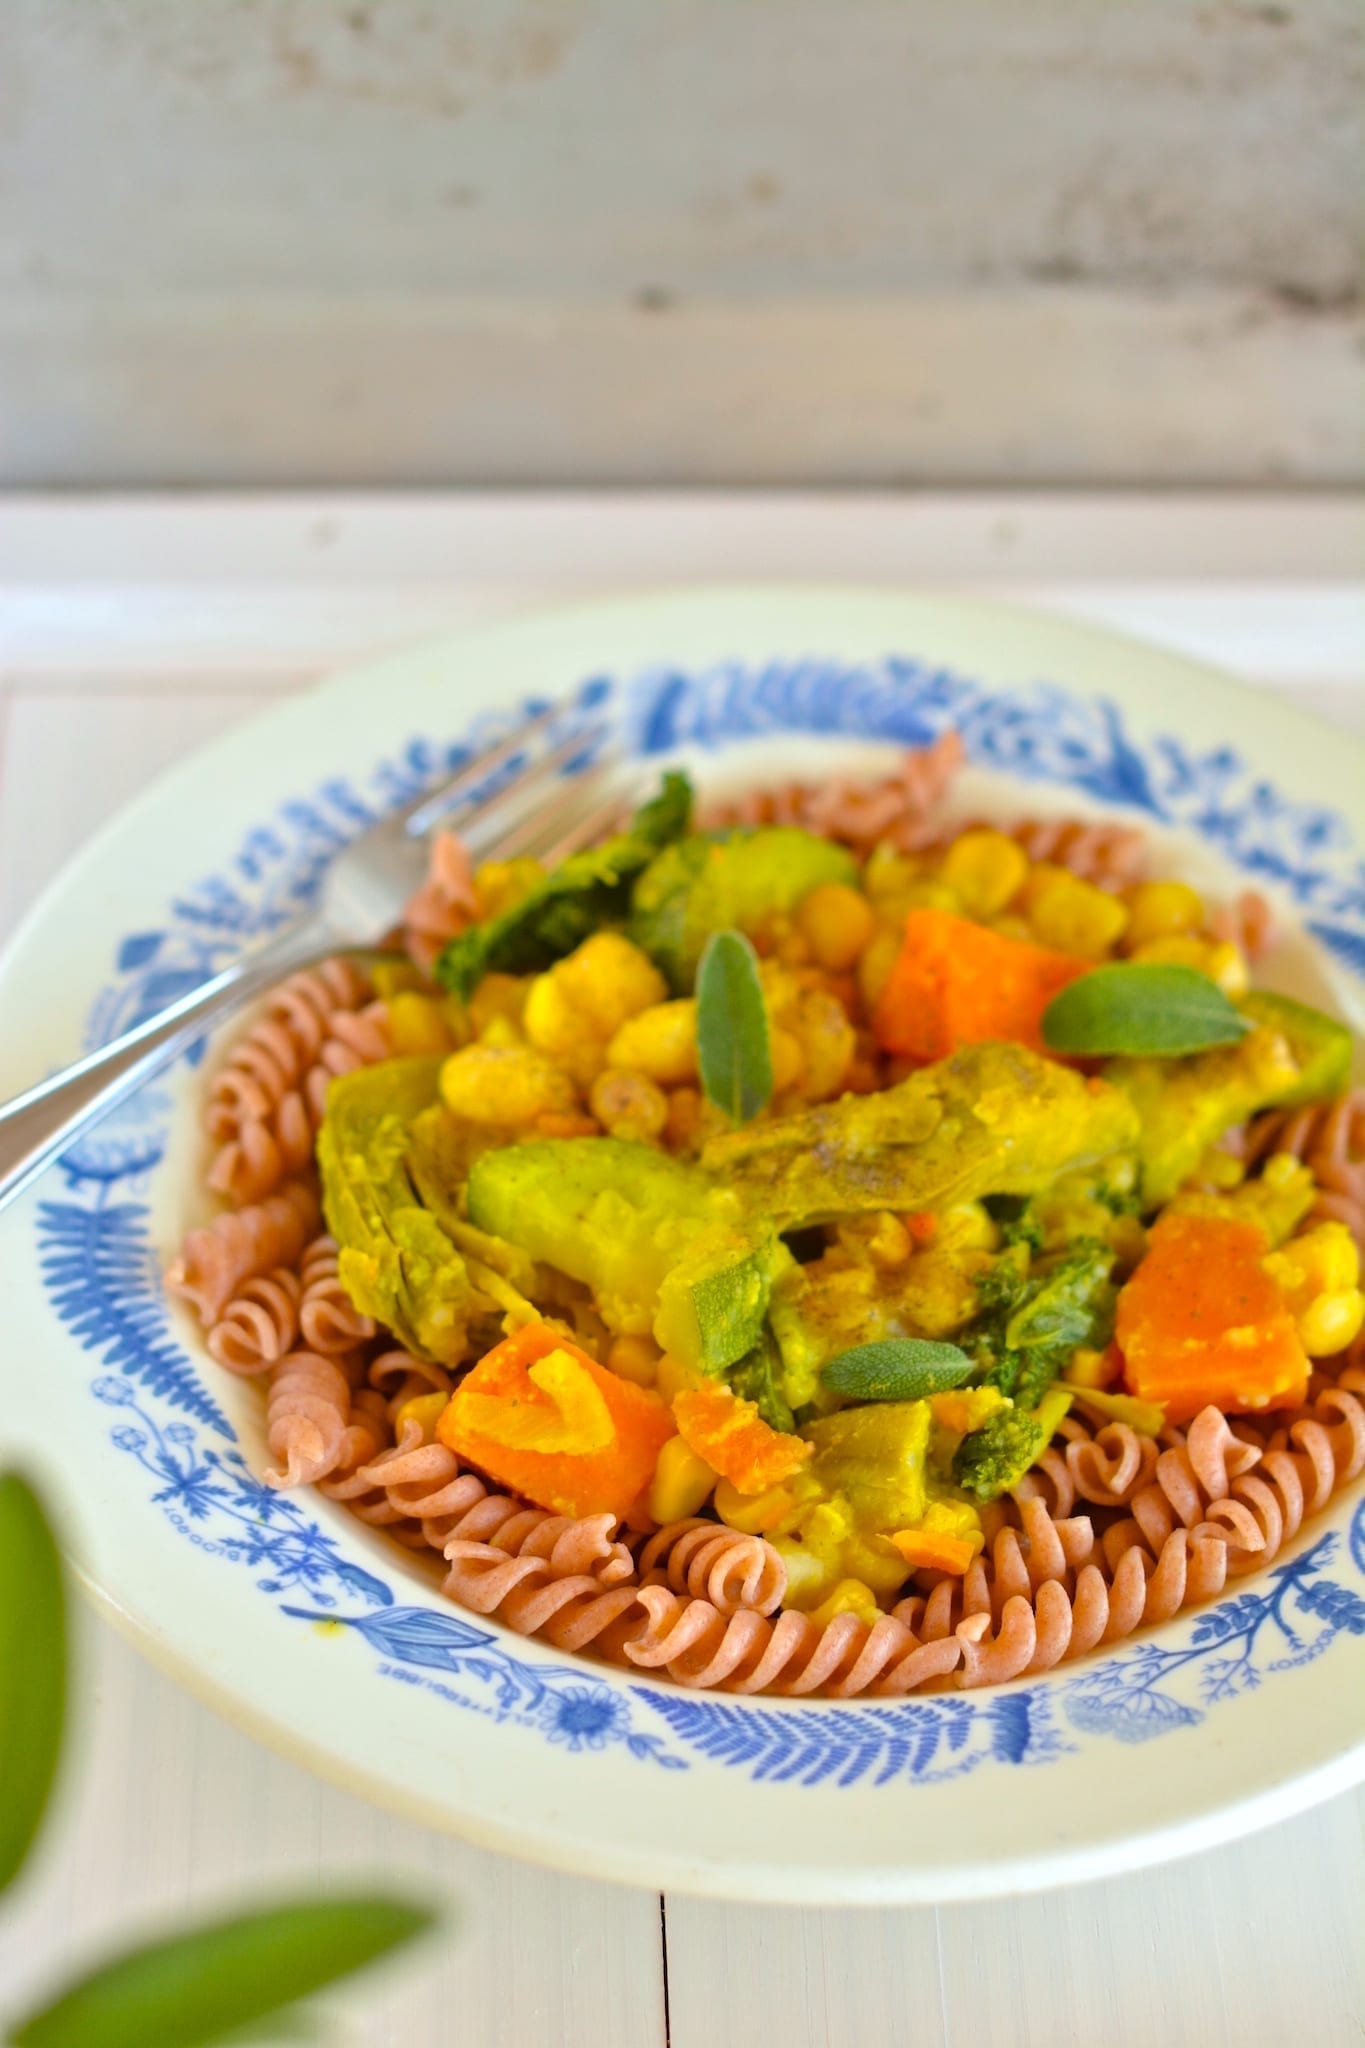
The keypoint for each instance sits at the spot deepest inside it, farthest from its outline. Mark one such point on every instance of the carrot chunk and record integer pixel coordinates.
(1202, 1321)
(543, 1418)
(734, 1439)
(925, 1551)
(957, 983)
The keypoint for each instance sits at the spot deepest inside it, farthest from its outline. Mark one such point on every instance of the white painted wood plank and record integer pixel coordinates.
(73, 758)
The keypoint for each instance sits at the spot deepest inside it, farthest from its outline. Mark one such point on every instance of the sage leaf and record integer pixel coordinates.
(896, 1369)
(33, 1655)
(734, 1051)
(1143, 1009)
(224, 1978)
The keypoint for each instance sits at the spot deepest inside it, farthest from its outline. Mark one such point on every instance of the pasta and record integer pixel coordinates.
(491, 1394)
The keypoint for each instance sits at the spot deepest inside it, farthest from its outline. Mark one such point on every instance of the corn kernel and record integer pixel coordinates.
(850, 1596)
(417, 1024)
(838, 923)
(754, 1514)
(426, 1411)
(1222, 961)
(877, 961)
(682, 1482)
(672, 1377)
(986, 869)
(390, 975)
(889, 1244)
(628, 1105)
(1331, 1323)
(1157, 910)
(496, 1084)
(661, 1043)
(1090, 1368)
(635, 1359)
(1070, 915)
(967, 1226)
(497, 996)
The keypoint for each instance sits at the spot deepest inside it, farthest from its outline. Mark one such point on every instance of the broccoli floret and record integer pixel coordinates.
(1016, 1219)
(996, 1456)
(1031, 1323)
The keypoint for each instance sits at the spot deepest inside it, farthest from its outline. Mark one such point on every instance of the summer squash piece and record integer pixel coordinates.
(1295, 1055)
(993, 1119)
(584, 893)
(957, 983)
(876, 1457)
(395, 1261)
(544, 1419)
(710, 883)
(1202, 1321)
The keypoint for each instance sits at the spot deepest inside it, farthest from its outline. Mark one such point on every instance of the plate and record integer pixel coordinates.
(316, 1634)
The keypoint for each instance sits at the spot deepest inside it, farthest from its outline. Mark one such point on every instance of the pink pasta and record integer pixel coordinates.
(259, 1324)
(328, 1321)
(446, 903)
(718, 1564)
(215, 1259)
(1330, 1139)
(1111, 856)
(266, 1102)
(895, 809)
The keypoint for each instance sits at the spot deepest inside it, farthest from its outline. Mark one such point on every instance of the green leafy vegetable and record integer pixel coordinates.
(756, 1378)
(1017, 1220)
(32, 1669)
(1032, 1322)
(582, 894)
(995, 1457)
(199, 1987)
(734, 1052)
(896, 1369)
(1142, 1008)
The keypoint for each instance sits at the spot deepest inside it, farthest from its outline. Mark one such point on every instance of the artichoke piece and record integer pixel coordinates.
(992, 1119)
(708, 884)
(1295, 1055)
(395, 1261)
(876, 1457)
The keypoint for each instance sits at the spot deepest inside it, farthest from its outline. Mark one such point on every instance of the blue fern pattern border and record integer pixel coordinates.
(99, 1267)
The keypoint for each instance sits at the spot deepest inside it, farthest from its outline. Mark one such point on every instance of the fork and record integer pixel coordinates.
(503, 809)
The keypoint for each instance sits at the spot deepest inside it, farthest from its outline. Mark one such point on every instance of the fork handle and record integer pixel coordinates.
(39, 1125)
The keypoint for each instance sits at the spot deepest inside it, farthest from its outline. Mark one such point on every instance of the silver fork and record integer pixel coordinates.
(536, 811)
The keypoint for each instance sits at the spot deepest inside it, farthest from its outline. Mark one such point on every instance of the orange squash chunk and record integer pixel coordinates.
(924, 1550)
(1201, 1321)
(543, 1418)
(734, 1439)
(957, 983)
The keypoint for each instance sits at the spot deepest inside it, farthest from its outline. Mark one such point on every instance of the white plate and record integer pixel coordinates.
(311, 1631)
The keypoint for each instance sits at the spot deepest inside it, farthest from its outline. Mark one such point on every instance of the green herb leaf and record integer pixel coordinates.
(1143, 1009)
(200, 1987)
(577, 898)
(734, 1051)
(32, 1669)
(896, 1369)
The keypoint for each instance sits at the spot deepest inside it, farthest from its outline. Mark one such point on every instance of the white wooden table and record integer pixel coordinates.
(132, 632)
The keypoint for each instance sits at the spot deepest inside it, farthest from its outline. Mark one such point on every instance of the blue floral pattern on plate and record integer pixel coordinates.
(100, 1269)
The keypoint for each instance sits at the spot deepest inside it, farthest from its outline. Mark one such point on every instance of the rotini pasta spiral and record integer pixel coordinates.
(445, 903)
(214, 1261)
(1330, 1139)
(1110, 856)
(266, 1102)
(721, 1565)
(327, 1320)
(894, 810)
(259, 1324)
(308, 1413)
(694, 1643)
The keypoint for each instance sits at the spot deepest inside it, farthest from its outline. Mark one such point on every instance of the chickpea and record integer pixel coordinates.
(634, 1358)
(607, 979)
(838, 923)
(628, 1105)
(660, 1042)
(876, 963)
(1070, 915)
(417, 1023)
(789, 1061)
(490, 1084)
(827, 1040)
(1158, 909)
(987, 870)
(497, 995)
